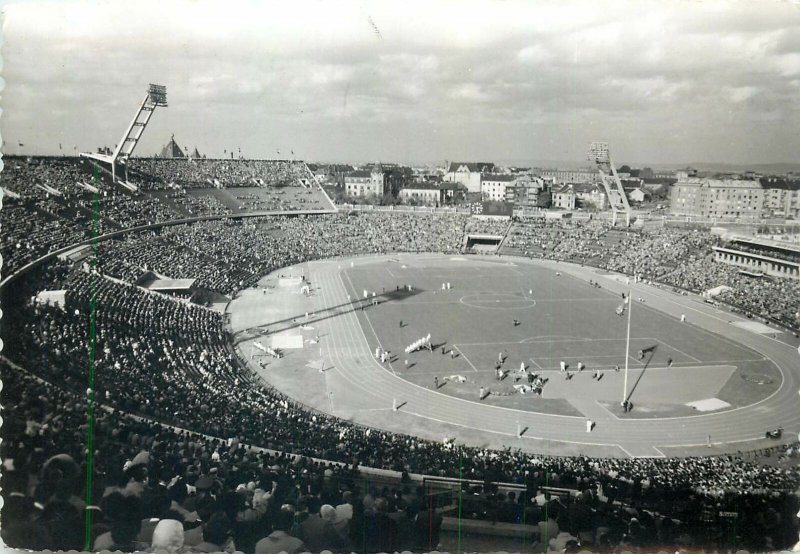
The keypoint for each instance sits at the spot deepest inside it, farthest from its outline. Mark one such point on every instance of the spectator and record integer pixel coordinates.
(280, 540)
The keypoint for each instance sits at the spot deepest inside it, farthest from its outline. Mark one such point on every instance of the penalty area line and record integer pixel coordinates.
(460, 353)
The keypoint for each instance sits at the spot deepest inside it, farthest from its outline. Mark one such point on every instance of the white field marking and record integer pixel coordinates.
(625, 451)
(367, 410)
(545, 338)
(513, 434)
(605, 369)
(667, 297)
(705, 444)
(460, 353)
(353, 350)
(366, 342)
(551, 340)
(641, 363)
(390, 272)
(660, 454)
(409, 302)
(335, 351)
(665, 343)
(698, 363)
(573, 417)
(586, 356)
(376, 338)
(554, 300)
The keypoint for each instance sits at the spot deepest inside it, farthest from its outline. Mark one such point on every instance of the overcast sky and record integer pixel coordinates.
(662, 81)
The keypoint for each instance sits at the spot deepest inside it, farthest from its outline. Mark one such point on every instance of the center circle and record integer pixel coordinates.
(498, 301)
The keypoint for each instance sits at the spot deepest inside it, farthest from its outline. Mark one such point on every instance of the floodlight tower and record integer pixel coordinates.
(601, 156)
(156, 96)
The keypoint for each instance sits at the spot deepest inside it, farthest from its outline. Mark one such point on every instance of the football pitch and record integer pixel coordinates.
(706, 384)
(533, 318)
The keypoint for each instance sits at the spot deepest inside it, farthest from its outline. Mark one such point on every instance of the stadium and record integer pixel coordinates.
(215, 344)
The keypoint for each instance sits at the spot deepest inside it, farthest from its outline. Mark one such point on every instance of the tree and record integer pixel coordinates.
(624, 169)
(544, 199)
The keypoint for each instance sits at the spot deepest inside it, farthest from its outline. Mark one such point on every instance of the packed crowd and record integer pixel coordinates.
(680, 258)
(766, 297)
(166, 360)
(156, 173)
(193, 206)
(156, 488)
(228, 255)
(130, 257)
(602, 515)
(226, 496)
(22, 175)
(53, 209)
(29, 233)
(486, 226)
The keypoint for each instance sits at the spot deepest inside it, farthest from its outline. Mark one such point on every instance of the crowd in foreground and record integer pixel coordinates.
(166, 360)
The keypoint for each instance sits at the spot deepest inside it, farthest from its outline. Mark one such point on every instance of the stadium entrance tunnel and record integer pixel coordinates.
(486, 243)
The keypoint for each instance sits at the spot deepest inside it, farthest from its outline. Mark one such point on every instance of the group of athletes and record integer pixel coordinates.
(531, 382)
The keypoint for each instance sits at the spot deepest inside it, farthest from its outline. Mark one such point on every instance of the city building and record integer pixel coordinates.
(430, 193)
(331, 173)
(364, 182)
(377, 179)
(781, 197)
(468, 174)
(493, 186)
(529, 193)
(395, 176)
(561, 176)
(717, 198)
(639, 195)
(590, 196)
(564, 197)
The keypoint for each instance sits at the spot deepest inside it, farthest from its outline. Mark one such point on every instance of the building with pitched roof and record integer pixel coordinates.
(468, 174)
(590, 195)
(564, 197)
(365, 182)
(493, 186)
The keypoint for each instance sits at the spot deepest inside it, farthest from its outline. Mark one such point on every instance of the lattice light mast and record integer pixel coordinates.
(601, 156)
(156, 96)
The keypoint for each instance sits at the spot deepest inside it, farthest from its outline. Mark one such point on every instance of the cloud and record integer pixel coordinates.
(672, 81)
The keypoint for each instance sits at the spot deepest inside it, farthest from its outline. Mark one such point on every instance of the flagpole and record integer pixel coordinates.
(627, 347)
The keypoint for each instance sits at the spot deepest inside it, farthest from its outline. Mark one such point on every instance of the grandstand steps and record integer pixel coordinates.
(505, 236)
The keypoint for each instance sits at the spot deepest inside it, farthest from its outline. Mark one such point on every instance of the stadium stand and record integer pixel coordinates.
(180, 425)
